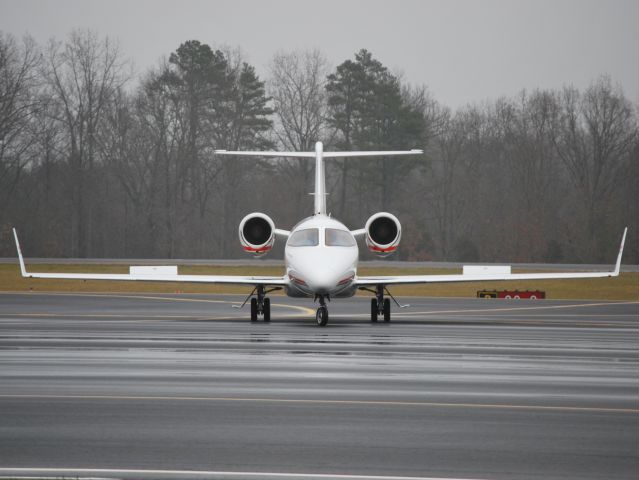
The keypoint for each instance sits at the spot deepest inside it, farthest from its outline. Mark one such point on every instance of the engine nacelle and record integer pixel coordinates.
(257, 233)
(383, 233)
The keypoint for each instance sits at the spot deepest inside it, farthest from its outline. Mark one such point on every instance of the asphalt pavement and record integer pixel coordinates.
(184, 386)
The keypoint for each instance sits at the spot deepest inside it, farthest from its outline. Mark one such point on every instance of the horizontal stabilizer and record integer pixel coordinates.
(372, 153)
(324, 154)
(266, 154)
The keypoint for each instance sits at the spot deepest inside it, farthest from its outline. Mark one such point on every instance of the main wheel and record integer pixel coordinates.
(374, 310)
(253, 309)
(267, 309)
(386, 310)
(321, 316)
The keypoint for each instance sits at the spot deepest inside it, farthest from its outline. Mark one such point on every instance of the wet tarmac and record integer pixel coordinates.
(470, 388)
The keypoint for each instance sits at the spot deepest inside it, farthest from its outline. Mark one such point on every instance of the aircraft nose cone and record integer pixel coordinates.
(321, 280)
(323, 268)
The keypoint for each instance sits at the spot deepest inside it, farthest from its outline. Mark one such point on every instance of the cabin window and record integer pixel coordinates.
(339, 238)
(304, 238)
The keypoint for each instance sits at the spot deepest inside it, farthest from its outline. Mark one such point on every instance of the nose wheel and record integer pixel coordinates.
(321, 316)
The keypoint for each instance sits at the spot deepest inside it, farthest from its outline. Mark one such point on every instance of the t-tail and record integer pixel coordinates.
(319, 154)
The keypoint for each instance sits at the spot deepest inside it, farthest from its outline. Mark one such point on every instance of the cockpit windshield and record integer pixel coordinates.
(339, 238)
(304, 238)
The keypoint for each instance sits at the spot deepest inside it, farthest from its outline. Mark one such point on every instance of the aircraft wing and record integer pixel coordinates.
(414, 279)
(219, 279)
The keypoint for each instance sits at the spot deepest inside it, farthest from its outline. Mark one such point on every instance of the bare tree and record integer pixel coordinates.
(630, 215)
(148, 164)
(297, 87)
(435, 115)
(452, 181)
(82, 76)
(19, 102)
(527, 128)
(596, 136)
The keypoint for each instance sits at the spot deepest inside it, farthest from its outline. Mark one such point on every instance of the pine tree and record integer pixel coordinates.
(368, 111)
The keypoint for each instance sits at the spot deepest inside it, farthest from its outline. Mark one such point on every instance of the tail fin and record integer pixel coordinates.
(319, 155)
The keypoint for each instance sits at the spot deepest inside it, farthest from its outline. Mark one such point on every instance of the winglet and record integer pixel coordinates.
(618, 264)
(22, 267)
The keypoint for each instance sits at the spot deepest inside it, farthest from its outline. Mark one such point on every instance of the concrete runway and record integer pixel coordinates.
(186, 386)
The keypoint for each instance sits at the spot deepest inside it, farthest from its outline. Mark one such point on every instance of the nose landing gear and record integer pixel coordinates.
(321, 316)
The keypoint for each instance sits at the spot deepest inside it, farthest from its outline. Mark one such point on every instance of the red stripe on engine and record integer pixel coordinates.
(257, 250)
(378, 249)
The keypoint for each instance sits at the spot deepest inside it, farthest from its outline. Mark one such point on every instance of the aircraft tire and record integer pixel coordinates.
(387, 310)
(253, 309)
(267, 309)
(374, 310)
(321, 316)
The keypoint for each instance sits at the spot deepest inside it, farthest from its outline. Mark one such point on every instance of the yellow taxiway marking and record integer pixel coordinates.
(132, 318)
(559, 408)
(96, 315)
(305, 310)
(515, 309)
(310, 311)
(508, 319)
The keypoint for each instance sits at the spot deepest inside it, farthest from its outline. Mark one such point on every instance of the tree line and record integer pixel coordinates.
(96, 161)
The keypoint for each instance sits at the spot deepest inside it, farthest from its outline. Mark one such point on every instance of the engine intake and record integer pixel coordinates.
(383, 233)
(257, 233)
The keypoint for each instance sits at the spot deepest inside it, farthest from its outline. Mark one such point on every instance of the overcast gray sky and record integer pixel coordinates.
(465, 51)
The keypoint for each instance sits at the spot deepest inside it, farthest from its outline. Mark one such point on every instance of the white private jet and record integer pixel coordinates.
(321, 254)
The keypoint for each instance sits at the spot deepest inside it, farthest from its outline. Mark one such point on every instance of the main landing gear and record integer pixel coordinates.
(380, 306)
(263, 309)
(260, 304)
(321, 316)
